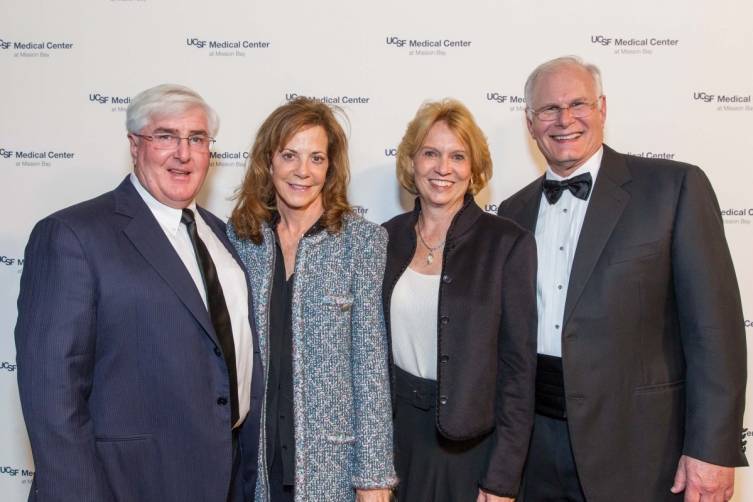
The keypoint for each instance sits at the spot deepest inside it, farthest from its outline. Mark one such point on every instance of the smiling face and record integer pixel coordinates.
(299, 170)
(173, 177)
(567, 142)
(442, 168)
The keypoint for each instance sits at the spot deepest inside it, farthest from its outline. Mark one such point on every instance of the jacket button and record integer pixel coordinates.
(443, 400)
(444, 359)
(444, 320)
(217, 352)
(446, 279)
(222, 401)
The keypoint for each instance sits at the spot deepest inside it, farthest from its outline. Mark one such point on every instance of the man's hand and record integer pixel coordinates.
(703, 482)
(376, 495)
(488, 497)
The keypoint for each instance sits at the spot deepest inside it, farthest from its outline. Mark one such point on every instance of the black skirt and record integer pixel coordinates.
(432, 468)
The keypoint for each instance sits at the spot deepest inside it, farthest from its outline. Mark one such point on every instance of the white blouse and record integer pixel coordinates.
(413, 323)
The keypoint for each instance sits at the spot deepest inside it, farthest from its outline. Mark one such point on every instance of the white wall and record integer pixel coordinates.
(50, 102)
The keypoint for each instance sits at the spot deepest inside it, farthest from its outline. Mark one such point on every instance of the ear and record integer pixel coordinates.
(603, 110)
(529, 122)
(134, 146)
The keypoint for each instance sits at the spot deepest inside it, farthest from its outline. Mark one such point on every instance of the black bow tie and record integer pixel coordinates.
(579, 186)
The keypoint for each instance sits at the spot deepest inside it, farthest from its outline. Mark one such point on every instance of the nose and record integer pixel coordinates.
(443, 165)
(302, 169)
(564, 117)
(183, 152)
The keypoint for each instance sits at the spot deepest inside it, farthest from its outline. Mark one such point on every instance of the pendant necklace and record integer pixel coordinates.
(430, 256)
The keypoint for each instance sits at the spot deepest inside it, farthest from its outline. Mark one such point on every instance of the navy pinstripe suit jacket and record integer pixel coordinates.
(117, 370)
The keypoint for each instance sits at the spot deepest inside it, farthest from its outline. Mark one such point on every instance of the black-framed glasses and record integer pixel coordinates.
(167, 141)
(578, 109)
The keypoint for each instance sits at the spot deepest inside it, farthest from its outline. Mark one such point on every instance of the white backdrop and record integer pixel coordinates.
(677, 75)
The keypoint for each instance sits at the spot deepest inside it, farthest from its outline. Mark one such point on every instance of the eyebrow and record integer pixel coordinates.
(459, 150)
(176, 133)
(581, 98)
(287, 149)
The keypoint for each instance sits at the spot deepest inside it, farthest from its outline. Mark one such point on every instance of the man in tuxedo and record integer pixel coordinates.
(642, 363)
(138, 369)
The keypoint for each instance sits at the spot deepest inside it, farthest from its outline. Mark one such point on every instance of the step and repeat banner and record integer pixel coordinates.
(678, 77)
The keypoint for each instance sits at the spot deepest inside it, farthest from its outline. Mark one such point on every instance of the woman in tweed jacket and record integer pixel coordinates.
(316, 271)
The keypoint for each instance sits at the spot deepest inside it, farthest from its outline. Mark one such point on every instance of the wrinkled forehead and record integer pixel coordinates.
(567, 81)
(193, 119)
(287, 134)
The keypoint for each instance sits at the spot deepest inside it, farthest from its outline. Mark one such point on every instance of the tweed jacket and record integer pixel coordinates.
(486, 333)
(341, 400)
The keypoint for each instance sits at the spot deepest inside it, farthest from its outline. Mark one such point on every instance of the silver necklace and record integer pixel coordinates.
(430, 256)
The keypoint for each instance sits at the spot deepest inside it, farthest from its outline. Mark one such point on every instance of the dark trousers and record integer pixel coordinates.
(278, 490)
(432, 468)
(550, 474)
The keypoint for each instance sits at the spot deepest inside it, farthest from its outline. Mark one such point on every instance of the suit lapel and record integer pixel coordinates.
(150, 241)
(529, 213)
(219, 231)
(607, 203)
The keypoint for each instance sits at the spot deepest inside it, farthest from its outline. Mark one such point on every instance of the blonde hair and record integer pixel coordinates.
(460, 121)
(255, 197)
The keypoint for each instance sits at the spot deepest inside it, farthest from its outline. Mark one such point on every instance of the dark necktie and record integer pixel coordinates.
(579, 186)
(217, 308)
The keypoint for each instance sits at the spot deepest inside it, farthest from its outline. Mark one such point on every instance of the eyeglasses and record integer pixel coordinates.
(577, 109)
(166, 141)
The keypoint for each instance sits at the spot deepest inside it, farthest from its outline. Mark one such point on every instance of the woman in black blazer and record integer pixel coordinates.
(460, 303)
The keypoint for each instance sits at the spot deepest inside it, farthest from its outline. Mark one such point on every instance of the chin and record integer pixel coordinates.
(443, 200)
(297, 204)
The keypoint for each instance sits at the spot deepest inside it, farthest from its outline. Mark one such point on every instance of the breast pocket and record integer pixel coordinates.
(633, 253)
(342, 303)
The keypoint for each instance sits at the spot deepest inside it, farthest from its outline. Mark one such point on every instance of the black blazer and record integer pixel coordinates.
(486, 325)
(653, 339)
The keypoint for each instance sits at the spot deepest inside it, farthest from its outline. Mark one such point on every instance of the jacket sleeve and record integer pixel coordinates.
(711, 326)
(373, 464)
(55, 344)
(516, 374)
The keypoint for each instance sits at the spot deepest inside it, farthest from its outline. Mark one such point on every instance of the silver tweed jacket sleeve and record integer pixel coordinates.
(373, 418)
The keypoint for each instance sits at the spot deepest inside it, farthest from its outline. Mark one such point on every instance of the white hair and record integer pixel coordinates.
(167, 100)
(553, 64)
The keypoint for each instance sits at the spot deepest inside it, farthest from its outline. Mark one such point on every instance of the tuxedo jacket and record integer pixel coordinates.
(120, 371)
(653, 339)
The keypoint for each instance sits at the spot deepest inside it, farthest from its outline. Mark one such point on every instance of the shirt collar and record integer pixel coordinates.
(317, 227)
(592, 166)
(168, 217)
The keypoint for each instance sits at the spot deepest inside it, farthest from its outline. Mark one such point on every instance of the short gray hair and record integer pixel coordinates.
(167, 99)
(553, 64)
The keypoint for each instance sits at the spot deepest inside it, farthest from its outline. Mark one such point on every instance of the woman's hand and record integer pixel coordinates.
(488, 497)
(375, 495)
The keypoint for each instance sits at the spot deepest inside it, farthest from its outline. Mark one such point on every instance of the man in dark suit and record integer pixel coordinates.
(642, 361)
(137, 366)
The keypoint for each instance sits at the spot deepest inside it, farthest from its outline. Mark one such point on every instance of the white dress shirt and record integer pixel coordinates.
(231, 277)
(557, 231)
